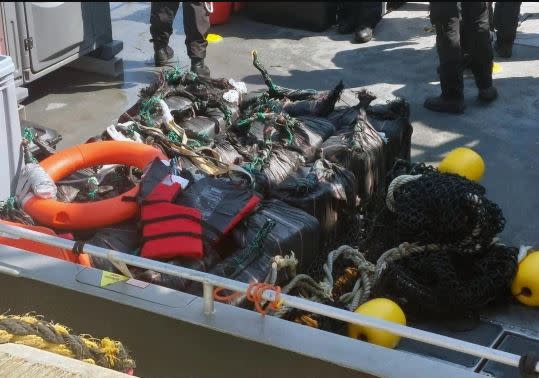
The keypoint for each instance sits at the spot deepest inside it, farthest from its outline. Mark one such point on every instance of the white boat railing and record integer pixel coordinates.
(210, 281)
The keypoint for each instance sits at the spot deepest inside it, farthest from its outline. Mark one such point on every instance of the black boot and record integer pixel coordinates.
(162, 55)
(444, 105)
(504, 50)
(363, 34)
(488, 94)
(198, 67)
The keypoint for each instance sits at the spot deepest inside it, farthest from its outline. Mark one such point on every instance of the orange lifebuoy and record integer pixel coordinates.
(44, 249)
(84, 216)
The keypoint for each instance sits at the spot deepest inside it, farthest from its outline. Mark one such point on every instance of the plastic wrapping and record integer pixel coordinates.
(294, 231)
(222, 204)
(361, 150)
(201, 128)
(39, 180)
(123, 237)
(211, 259)
(319, 107)
(325, 191)
(180, 107)
(392, 120)
(226, 150)
(281, 164)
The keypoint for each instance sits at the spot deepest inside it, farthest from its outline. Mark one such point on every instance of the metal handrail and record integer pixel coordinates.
(210, 281)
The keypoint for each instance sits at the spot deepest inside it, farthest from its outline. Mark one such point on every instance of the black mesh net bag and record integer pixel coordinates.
(444, 209)
(443, 282)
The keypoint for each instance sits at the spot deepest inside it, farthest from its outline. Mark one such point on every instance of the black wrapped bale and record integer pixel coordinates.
(124, 237)
(361, 150)
(281, 164)
(323, 190)
(180, 107)
(304, 134)
(200, 128)
(209, 261)
(226, 150)
(294, 231)
(392, 121)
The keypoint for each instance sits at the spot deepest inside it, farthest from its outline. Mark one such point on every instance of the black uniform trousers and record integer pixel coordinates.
(506, 21)
(368, 13)
(475, 24)
(196, 24)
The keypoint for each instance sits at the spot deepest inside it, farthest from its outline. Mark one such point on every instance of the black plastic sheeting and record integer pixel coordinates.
(220, 203)
(360, 149)
(124, 237)
(323, 190)
(282, 162)
(211, 259)
(294, 230)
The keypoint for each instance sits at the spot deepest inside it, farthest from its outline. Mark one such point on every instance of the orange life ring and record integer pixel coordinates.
(84, 216)
(44, 249)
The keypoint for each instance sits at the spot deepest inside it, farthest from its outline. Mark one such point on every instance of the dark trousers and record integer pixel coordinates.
(506, 21)
(475, 24)
(366, 13)
(196, 24)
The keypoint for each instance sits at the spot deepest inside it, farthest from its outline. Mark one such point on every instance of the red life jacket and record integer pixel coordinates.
(168, 230)
(175, 222)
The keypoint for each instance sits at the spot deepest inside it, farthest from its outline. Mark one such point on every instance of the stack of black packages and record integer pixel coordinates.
(314, 166)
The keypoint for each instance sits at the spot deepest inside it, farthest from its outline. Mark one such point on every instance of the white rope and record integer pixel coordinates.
(397, 181)
(363, 285)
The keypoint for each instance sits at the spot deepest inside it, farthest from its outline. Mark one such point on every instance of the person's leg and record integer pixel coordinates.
(445, 18)
(161, 18)
(196, 24)
(370, 13)
(347, 16)
(476, 22)
(506, 23)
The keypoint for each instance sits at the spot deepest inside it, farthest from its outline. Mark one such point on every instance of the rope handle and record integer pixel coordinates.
(254, 293)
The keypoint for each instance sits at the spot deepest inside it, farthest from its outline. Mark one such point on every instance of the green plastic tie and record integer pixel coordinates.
(28, 134)
(92, 194)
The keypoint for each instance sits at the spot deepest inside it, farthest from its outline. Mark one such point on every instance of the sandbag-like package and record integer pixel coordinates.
(324, 190)
(210, 260)
(294, 231)
(226, 151)
(361, 150)
(392, 121)
(281, 164)
(124, 237)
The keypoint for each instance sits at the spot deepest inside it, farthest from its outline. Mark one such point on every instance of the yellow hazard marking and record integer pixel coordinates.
(496, 68)
(108, 278)
(213, 38)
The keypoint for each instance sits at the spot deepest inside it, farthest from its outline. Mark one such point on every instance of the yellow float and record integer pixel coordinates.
(465, 162)
(379, 308)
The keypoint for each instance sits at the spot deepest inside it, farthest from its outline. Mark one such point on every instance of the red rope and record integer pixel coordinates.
(254, 293)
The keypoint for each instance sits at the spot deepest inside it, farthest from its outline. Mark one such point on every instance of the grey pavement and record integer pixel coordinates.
(400, 61)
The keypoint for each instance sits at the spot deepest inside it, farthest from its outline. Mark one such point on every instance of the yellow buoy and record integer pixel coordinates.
(496, 68)
(379, 308)
(213, 38)
(525, 286)
(465, 162)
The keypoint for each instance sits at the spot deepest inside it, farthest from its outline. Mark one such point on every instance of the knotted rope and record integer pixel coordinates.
(32, 331)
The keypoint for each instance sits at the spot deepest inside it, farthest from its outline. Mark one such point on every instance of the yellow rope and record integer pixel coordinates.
(31, 330)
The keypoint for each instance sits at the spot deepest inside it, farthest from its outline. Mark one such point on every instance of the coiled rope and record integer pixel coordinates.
(31, 330)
